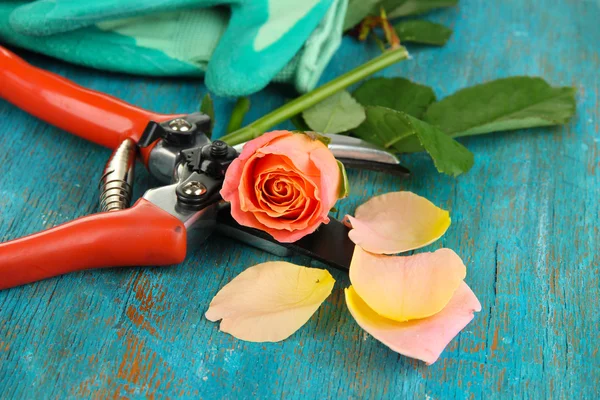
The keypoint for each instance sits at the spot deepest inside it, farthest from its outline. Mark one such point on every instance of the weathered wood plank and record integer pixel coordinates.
(525, 220)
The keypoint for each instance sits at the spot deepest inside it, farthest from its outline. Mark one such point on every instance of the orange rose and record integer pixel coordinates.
(283, 183)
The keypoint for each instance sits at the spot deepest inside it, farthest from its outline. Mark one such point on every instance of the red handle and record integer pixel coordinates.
(138, 236)
(92, 115)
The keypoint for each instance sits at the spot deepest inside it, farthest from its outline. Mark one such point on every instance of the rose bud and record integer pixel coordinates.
(283, 183)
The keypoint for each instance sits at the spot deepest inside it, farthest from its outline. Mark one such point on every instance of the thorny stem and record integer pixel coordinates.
(309, 99)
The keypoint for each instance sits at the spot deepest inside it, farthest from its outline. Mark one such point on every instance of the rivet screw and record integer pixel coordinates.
(180, 125)
(194, 188)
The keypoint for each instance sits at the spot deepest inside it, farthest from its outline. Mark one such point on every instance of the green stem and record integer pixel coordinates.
(309, 99)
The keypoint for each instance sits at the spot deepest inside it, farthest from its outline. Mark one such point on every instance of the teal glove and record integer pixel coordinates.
(264, 40)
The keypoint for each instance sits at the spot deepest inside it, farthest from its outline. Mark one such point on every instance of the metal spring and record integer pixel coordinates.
(116, 184)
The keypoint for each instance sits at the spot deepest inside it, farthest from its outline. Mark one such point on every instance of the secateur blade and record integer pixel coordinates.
(157, 229)
(356, 153)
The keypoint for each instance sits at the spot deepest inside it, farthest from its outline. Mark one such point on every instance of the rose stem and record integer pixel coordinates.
(313, 97)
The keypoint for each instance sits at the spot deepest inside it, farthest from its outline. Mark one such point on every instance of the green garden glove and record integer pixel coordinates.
(261, 41)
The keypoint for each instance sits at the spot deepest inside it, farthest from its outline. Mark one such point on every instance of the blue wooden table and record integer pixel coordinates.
(525, 220)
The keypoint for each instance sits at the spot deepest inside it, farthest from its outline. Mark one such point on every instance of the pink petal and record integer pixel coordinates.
(330, 176)
(297, 148)
(263, 140)
(424, 339)
(315, 160)
(406, 288)
(229, 191)
(397, 222)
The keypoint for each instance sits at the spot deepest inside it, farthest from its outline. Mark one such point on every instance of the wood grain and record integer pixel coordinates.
(525, 220)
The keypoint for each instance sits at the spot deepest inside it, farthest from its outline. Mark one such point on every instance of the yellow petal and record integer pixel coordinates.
(424, 339)
(405, 288)
(269, 302)
(397, 222)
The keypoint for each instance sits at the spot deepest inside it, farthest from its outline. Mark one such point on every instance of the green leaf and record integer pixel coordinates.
(344, 188)
(242, 106)
(425, 32)
(357, 11)
(207, 107)
(337, 113)
(402, 8)
(503, 104)
(396, 93)
(390, 129)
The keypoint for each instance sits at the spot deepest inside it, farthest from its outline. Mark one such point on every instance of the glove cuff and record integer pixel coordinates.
(320, 47)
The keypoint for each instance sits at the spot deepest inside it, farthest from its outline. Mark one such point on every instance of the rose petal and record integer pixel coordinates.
(297, 149)
(424, 339)
(279, 193)
(397, 222)
(254, 171)
(235, 169)
(330, 175)
(288, 231)
(270, 301)
(246, 195)
(252, 146)
(315, 159)
(405, 288)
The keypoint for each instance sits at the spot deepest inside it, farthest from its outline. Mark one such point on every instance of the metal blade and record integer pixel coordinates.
(356, 153)
(394, 169)
(329, 244)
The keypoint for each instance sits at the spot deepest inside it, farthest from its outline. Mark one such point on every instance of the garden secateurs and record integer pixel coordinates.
(176, 150)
